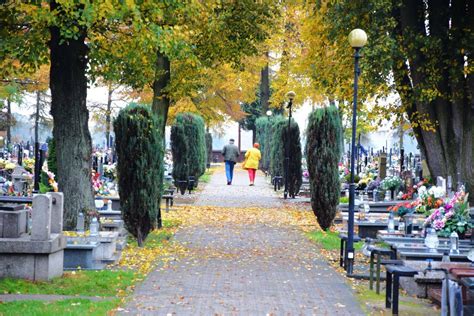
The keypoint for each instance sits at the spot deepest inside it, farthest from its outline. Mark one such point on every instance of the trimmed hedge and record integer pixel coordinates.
(324, 150)
(139, 145)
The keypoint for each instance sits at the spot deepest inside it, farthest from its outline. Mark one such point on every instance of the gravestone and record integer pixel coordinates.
(41, 218)
(441, 182)
(407, 177)
(57, 212)
(13, 220)
(39, 256)
(19, 177)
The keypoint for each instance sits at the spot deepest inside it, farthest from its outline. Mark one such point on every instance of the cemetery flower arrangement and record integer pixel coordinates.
(413, 192)
(401, 209)
(429, 199)
(29, 164)
(110, 171)
(374, 184)
(365, 179)
(452, 216)
(391, 183)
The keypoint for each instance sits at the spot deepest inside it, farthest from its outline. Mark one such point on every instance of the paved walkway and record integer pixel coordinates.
(244, 268)
(239, 194)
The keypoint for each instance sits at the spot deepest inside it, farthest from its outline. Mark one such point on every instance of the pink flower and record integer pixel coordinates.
(438, 224)
(449, 214)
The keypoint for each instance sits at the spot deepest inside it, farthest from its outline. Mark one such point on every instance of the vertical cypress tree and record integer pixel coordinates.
(295, 174)
(209, 148)
(262, 126)
(279, 137)
(139, 145)
(188, 146)
(277, 147)
(324, 149)
(52, 156)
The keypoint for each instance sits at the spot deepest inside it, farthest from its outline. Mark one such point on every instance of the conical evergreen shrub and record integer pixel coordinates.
(188, 146)
(324, 149)
(209, 149)
(139, 146)
(279, 136)
(262, 129)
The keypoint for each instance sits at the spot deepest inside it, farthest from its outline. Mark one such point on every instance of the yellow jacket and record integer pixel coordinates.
(252, 157)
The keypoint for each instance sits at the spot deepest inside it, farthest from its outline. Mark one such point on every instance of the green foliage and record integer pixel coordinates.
(100, 283)
(324, 139)
(279, 140)
(70, 307)
(262, 126)
(209, 148)
(188, 146)
(343, 200)
(44, 185)
(329, 240)
(52, 156)
(139, 146)
(276, 146)
(252, 111)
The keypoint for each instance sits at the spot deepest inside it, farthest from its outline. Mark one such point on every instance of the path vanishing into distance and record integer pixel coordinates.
(245, 257)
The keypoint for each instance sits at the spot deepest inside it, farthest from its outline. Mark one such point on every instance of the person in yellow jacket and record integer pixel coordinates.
(252, 157)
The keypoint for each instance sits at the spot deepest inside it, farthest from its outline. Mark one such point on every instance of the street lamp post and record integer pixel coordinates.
(291, 95)
(357, 39)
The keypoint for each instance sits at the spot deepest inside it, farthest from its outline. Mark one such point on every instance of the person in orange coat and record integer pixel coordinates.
(252, 157)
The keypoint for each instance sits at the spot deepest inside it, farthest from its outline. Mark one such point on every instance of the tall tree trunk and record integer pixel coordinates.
(161, 102)
(265, 87)
(449, 149)
(9, 123)
(37, 116)
(68, 85)
(108, 115)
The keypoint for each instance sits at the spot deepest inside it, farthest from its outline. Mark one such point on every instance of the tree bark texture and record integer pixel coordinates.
(37, 115)
(440, 66)
(108, 115)
(161, 102)
(68, 85)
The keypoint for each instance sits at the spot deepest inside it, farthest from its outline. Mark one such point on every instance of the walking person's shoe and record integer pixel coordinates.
(229, 182)
(251, 184)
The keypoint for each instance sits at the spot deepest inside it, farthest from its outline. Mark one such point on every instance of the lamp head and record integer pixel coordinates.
(269, 113)
(291, 95)
(357, 38)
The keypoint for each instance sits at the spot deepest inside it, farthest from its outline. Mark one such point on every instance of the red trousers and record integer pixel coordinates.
(252, 174)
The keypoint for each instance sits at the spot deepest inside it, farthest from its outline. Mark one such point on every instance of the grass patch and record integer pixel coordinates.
(62, 307)
(87, 283)
(206, 177)
(329, 240)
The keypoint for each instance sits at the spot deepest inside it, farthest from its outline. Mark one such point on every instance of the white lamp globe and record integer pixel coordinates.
(269, 113)
(357, 38)
(291, 95)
